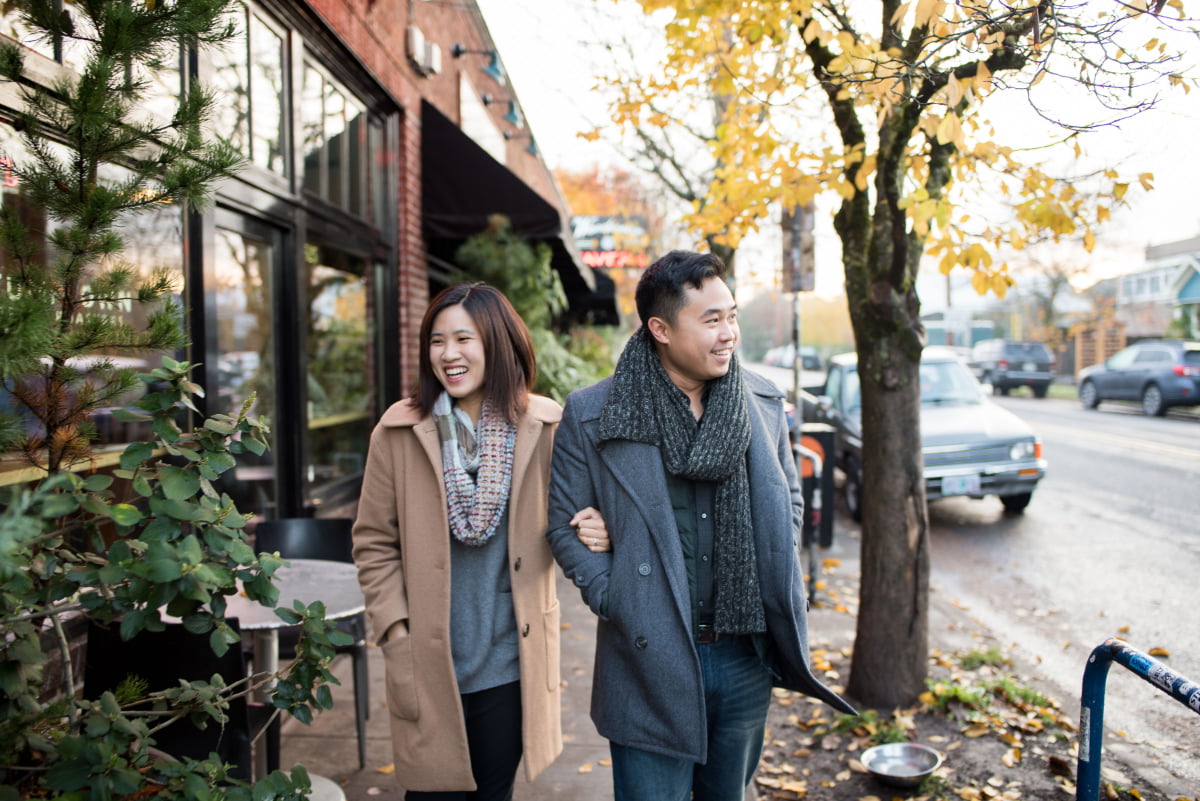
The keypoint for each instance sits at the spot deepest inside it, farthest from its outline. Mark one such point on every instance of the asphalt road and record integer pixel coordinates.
(1110, 546)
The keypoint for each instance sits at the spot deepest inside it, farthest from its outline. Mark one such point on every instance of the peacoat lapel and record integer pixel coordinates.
(639, 469)
(529, 429)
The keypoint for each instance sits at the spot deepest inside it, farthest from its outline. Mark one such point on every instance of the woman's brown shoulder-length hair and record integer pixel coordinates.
(510, 368)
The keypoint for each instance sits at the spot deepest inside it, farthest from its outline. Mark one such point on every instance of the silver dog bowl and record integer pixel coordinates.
(901, 764)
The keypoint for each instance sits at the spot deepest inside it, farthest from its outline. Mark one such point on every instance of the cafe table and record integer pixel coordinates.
(306, 580)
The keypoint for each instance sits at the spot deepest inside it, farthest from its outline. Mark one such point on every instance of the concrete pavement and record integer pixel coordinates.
(581, 772)
(328, 747)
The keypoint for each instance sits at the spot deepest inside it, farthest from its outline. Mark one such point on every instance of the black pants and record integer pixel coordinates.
(494, 739)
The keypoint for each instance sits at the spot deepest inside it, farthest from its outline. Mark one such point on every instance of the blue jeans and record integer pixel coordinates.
(737, 693)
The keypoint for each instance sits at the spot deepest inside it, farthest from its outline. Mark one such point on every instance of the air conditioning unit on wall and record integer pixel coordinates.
(426, 56)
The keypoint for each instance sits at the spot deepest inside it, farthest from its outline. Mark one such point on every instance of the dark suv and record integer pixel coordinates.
(1008, 363)
(1158, 373)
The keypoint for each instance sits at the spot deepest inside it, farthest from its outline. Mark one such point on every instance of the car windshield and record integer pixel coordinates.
(947, 382)
(1026, 350)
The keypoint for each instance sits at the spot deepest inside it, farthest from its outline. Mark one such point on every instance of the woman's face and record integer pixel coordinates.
(456, 354)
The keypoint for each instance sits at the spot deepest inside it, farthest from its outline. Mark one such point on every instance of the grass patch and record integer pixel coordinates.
(869, 724)
(973, 660)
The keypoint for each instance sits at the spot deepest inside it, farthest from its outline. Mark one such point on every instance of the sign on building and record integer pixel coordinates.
(612, 241)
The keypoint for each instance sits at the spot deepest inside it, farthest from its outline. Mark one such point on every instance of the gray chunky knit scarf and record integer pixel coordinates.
(644, 405)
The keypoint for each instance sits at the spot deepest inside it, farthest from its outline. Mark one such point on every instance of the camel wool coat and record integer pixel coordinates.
(402, 549)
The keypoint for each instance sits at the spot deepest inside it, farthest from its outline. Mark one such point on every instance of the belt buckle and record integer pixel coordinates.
(706, 634)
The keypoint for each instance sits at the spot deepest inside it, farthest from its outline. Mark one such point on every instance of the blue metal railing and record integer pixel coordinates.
(1091, 715)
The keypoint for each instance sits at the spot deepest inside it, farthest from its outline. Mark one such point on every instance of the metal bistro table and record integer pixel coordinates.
(307, 580)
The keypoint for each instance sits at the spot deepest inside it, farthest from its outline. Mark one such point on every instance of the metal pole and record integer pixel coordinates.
(1091, 714)
(797, 365)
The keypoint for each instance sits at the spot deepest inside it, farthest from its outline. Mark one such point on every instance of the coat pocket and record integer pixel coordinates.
(553, 652)
(401, 678)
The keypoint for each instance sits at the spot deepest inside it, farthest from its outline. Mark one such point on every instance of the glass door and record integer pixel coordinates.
(242, 292)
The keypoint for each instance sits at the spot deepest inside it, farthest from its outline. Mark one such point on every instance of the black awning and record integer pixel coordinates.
(462, 185)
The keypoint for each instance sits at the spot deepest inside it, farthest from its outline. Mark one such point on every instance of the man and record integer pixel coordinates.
(700, 600)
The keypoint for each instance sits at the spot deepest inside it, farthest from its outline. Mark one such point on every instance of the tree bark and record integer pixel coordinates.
(881, 255)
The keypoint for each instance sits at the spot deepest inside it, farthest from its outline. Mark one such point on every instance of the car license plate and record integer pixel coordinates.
(1030, 367)
(961, 485)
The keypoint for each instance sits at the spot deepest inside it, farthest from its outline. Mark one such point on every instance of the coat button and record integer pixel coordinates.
(517, 564)
(644, 568)
(525, 630)
(640, 642)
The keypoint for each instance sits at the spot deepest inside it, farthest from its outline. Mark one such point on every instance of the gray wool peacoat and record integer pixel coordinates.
(646, 691)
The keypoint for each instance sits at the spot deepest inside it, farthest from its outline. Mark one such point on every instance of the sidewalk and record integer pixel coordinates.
(581, 772)
(328, 746)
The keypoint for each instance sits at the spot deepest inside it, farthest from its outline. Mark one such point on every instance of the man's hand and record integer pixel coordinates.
(590, 528)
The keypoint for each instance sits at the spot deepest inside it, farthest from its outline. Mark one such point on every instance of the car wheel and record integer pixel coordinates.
(996, 388)
(1152, 401)
(1015, 504)
(853, 490)
(1039, 390)
(1088, 395)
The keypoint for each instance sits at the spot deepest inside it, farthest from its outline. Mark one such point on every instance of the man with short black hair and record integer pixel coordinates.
(700, 601)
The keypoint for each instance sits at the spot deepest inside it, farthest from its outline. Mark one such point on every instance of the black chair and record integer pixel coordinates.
(161, 659)
(323, 538)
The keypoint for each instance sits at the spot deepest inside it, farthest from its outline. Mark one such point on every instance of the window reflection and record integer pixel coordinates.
(313, 128)
(335, 130)
(247, 78)
(334, 141)
(153, 242)
(339, 366)
(245, 365)
(267, 101)
(229, 83)
(163, 87)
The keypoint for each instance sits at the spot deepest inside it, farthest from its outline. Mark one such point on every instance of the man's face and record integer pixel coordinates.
(698, 346)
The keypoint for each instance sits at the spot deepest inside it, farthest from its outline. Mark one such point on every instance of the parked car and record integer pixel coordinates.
(972, 446)
(1009, 363)
(1159, 373)
(785, 355)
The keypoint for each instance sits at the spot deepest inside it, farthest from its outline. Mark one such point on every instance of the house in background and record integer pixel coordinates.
(1162, 300)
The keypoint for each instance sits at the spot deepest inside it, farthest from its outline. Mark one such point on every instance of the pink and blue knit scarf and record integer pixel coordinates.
(476, 467)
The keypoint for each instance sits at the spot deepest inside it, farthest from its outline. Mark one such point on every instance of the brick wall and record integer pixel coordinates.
(375, 30)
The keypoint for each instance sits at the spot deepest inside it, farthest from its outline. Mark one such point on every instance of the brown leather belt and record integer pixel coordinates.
(706, 634)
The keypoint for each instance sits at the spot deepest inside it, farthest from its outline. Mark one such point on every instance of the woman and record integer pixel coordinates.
(453, 561)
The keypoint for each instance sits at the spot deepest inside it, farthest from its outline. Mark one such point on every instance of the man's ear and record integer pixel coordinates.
(660, 330)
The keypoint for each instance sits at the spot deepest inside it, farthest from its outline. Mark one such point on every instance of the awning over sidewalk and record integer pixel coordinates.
(462, 185)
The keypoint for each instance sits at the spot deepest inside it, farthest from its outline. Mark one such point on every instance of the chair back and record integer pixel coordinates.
(161, 659)
(306, 538)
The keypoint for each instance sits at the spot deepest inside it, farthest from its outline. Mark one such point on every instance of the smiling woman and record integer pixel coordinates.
(474, 435)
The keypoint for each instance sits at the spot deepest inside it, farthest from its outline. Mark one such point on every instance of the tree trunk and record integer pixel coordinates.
(891, 642)
(880, 256)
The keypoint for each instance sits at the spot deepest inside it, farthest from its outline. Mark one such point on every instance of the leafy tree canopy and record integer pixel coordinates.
(906, 84)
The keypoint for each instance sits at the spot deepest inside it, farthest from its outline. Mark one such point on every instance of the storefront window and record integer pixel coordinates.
(335, 135)
(338, 367)
(245, 342)
(153, 241)
(247, 78)
(313, 129)
(266, 93)
(336, 146)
